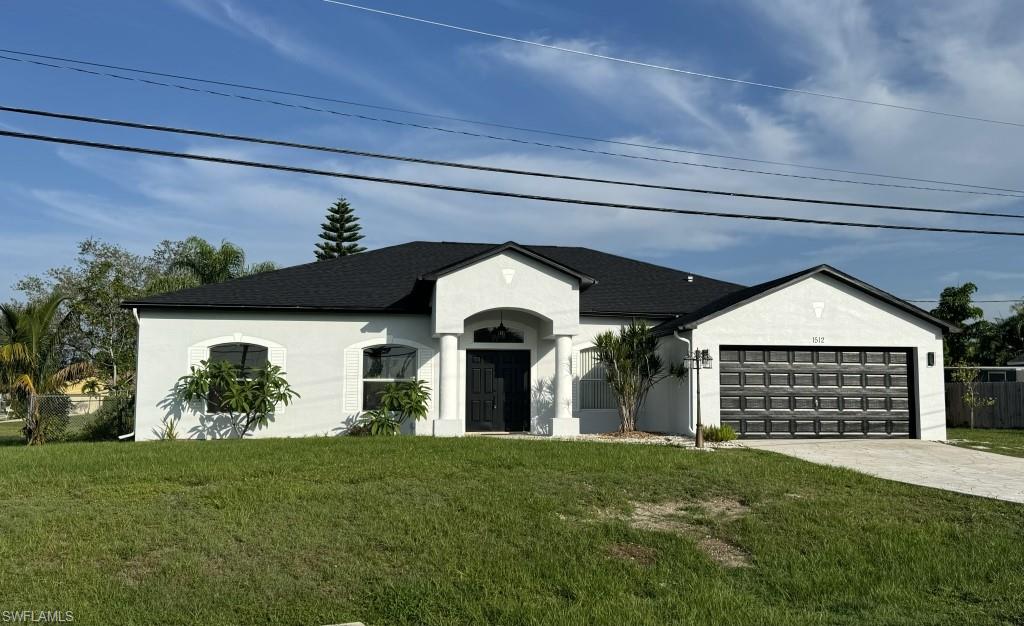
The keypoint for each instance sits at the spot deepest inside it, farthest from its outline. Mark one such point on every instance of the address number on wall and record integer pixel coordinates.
(817, 340)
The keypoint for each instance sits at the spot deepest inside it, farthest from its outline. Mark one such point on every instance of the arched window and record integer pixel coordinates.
(498, 334)
(595, 392)
(383, 365)
(245, 357)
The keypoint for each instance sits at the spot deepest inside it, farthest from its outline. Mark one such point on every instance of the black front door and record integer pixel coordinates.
(497, 390)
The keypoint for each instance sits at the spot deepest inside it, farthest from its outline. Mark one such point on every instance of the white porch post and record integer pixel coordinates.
(563, 424)
(449, 425)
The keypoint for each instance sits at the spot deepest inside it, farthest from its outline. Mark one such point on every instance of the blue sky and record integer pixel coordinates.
(955, 56)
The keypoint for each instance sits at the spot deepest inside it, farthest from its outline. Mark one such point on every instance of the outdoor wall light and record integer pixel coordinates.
(931, 359)
(696, 361)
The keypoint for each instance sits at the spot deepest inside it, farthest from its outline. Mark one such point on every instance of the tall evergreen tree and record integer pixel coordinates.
(341, 232)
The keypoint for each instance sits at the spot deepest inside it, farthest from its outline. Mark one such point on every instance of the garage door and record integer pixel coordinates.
(816, 392)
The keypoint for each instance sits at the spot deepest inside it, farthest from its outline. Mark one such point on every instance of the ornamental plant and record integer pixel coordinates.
(247, 397)
(399, 403)
(632, 367)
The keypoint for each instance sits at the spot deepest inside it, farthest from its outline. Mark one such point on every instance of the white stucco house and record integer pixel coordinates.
(503, 335)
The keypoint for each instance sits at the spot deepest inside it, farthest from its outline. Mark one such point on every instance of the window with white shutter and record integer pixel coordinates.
(594, 390)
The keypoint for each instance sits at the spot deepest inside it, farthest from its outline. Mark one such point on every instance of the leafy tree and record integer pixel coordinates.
(197, 262)
(957, 307)
(632, 366)
(103, 276)
(34, 362)
(967, 376)
(248, 398)
(1013, 332)
(340, 233)
(399, 403)
(1005, 338)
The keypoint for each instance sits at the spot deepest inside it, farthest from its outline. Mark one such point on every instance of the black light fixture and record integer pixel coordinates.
(501, 333)
(931, 359)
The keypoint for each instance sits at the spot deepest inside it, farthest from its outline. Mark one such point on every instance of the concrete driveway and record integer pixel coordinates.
(926, 463)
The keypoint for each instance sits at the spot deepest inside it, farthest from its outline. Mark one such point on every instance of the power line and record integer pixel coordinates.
(463, 120)
(485, 168)
(806, 92)
(293, 105)
(491, 192)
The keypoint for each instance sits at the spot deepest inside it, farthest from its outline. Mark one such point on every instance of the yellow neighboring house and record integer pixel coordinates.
(82, 401)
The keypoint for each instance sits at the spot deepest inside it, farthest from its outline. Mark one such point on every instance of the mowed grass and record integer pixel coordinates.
(999, 441)
(482, 531)
(10, 433)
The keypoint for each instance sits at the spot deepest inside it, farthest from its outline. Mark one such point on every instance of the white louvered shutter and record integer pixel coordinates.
(197, 354)
(276, 356)
(353, 379)
(425, 371)
(575, 369)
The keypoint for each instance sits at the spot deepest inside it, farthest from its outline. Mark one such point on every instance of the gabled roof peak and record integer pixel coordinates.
(743, 296)
(585, 280)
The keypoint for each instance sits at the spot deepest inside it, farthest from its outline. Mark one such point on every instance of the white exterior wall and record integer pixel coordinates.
(322, 358)
(849, 317)
(322, 353)
(508, 281)
(666, 409)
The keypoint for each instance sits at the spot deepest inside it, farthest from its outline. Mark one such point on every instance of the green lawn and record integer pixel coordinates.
(10, 433)
(481, 531)
(1001, 441)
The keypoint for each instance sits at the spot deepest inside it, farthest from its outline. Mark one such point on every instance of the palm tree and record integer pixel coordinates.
(199, 262)
(33, 361)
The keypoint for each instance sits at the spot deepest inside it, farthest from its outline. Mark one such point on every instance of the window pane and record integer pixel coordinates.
(497, 334)
(389, 362)
(246, 357)
(371, 394)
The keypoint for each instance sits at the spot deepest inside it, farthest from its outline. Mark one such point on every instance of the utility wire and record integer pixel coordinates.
(292, 105)
(524, 129)
(806, 92)
(491, 192)
(484, 168)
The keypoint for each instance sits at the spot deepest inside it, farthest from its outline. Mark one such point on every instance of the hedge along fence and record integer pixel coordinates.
(1008, 411)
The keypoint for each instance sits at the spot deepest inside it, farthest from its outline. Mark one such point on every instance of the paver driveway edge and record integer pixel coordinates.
(925, 463)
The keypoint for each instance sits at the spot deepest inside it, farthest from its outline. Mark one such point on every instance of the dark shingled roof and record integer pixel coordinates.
(398, 279)
(742, 296)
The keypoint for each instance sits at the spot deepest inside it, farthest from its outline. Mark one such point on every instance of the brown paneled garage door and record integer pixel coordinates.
(816, 392)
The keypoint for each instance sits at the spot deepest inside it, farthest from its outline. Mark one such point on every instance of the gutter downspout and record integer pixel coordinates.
(138, 343)
(690, 429)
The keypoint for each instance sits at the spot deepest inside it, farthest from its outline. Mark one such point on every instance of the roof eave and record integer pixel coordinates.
(834, 273)
(585, 279)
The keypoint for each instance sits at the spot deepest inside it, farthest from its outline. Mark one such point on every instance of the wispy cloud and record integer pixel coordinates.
(230, 15)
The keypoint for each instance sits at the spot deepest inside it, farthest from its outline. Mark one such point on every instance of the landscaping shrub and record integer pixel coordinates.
(115, 417)
(719, 433)
(399, 403)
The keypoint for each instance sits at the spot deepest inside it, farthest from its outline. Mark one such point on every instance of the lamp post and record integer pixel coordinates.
(696, 361)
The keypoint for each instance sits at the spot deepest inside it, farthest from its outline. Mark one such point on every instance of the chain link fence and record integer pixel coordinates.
(56, 417)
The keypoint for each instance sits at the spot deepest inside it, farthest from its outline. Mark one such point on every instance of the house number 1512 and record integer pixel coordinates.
(817, 340)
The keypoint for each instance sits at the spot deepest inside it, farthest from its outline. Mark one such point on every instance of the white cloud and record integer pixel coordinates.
(230, 15)
(949, 56)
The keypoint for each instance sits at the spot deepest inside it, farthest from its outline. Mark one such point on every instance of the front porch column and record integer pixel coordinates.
(563, 424)
(448, 424)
